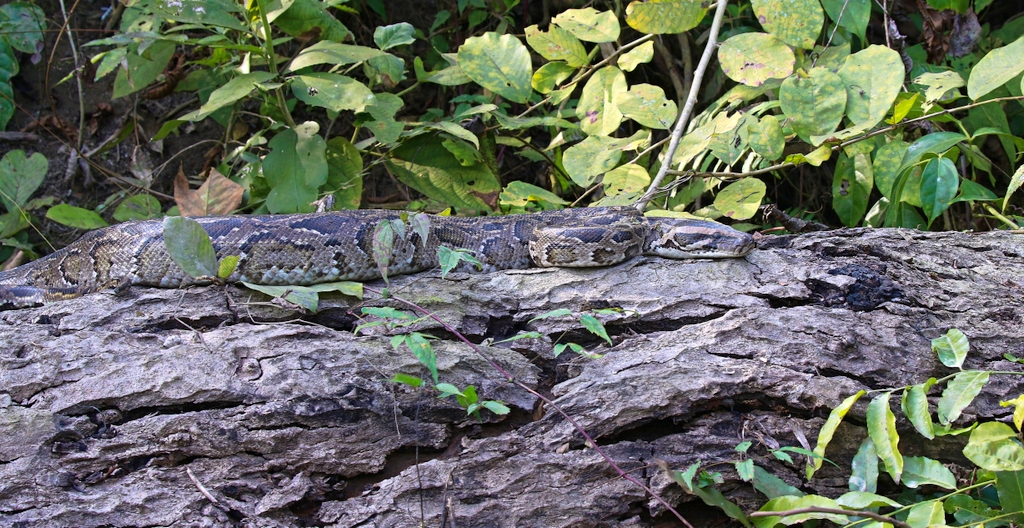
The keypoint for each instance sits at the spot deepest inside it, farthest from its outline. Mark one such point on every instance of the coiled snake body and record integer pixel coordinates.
(313, 248)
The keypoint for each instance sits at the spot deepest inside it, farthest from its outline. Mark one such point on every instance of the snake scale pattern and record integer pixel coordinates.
(305, 249)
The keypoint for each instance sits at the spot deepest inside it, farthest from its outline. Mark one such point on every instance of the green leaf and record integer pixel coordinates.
(449, 258)
(993, 446)
(425, 165)
(596, 110)
(852, 15)
(754, 58)
(646, 104)
(1015, 183)
(934, 143)
(387, 37)
(959, 393)
(594, 326)
(925, 514)
(344, 172)
(711, 497)
(447, 389)
(557, 44)
(788, 503)
(660, 17)
(829, 429)
(1018, 410)
(939, 183)
(235, 89)
(995, 69)
(496, 407)
(227, 266)
(138, 207)
(383, 246)
(882, 429)
(816, 103)
(589, 24)
(851, 187)
(142, 69)
(795, 22)
(745, 469)
(772, 486)
(76, 217)
(550, 75)
(20, 177)
(387, 312)
(741, 199)
(189, 246)
(862, 500)
(519, 194)
(765, 138)
(560, 347)
(207, 12)
(561, 312)
(629, 180)
(970, 192)
(301, 296)
(331, 91)
(864, 468)
(872, 77)
(295, 169)
(1010, 487)
(333, 53)
(22, 24)
(915, 406)
(588, 159)
(499, 63)
(406, 379)
(920, 471)
(420, 347)
(300, 16)
(641, 54)
(951, 347)
(886, 165)
(937, 85)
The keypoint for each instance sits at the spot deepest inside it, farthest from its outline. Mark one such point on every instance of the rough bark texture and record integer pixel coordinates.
(199, 408)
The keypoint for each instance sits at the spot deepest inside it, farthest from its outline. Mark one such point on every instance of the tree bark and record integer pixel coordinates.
(211, 407)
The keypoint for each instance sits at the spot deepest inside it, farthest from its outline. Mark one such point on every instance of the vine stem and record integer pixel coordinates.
(512, 379)
(691, 101)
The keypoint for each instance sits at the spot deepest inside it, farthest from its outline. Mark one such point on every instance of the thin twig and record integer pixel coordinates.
(691, 101)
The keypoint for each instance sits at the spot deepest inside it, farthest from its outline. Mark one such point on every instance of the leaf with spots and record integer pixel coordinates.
(753, 58)
(500, 63)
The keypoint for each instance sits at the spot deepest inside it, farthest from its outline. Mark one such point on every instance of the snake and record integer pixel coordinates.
(313, 248)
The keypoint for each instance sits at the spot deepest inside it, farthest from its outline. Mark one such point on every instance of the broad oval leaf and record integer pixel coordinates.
(138, 207)
(873, 77)
(232, 91)
(189, 246)
(333, 53)
(850, 14)
(331, 91)
(886, 165)
(816, 103)
(646, 104)
(939, 183)
(20, 176)
(753, 58)
(589, 24)
(862, 500)
(641, 54)
(920, 471)
(76, 217)
(295, 169)
(807, 502)
(926, 514)
(765, 138)
(951, 347)
(851, 187)
(557, 44)
(741, 199)
(550, 75)
(596, 111)
(586, 160)
(387, 37)
(795, 22)
(500, 63)
(659, 17)
(995, 69)
(934, 143)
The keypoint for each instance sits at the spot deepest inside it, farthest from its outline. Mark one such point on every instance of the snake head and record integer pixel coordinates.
(681, 238)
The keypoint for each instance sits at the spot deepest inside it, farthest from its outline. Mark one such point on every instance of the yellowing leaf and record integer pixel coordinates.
(660, 17)
(795, 22)
(589, 24)
(596, 110)
(499, 63)
(753, 58)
